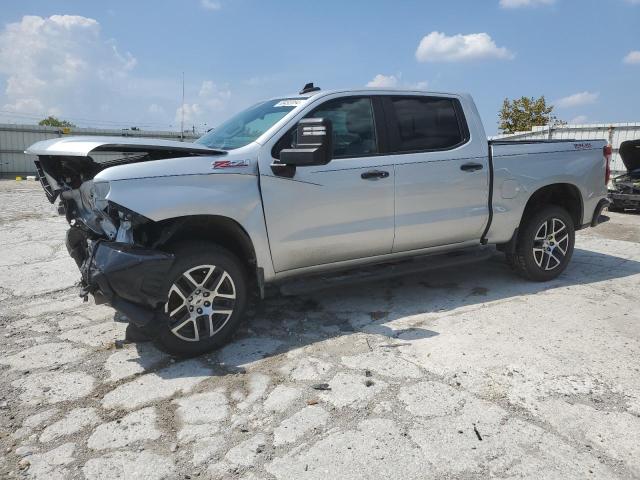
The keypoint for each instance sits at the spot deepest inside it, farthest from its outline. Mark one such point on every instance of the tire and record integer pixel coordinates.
(207, 296)
(545, 245)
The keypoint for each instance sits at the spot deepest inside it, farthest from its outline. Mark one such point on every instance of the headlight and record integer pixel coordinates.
(100, 192)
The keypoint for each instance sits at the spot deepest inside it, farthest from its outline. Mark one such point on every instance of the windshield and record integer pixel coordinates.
(246, 126)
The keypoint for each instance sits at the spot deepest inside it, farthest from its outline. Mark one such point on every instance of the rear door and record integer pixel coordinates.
(335, 212)
(442, 173)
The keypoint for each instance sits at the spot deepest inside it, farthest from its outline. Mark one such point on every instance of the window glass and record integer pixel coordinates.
(425, 124)
(248, 125)
(354, 133)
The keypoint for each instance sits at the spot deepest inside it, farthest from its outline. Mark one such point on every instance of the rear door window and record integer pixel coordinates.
(424, 124)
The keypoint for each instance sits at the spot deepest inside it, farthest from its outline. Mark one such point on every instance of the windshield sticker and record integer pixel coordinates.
(229, 164)
(290, 102)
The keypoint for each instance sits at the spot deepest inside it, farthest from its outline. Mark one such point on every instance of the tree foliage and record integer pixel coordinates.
(52, 121)
(522, 114)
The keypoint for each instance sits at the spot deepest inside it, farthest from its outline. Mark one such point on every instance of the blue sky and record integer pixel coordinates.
(119, 63)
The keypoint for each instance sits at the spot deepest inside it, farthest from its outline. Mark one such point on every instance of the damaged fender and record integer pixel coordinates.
(131, 279)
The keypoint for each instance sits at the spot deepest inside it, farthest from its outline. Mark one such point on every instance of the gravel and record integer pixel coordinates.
(462, 373)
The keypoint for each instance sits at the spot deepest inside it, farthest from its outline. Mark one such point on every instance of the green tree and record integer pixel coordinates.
(52, 121)
(524, 113)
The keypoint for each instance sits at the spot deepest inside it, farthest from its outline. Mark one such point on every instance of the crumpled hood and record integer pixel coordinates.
(83, 146)
(630, 154)
(65, 163)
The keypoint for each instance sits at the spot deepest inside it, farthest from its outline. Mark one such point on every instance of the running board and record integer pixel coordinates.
(397, 268)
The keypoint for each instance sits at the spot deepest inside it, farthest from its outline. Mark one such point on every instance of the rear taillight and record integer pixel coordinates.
(606, 151)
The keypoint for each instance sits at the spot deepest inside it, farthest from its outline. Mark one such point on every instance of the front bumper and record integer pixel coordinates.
(131, 279)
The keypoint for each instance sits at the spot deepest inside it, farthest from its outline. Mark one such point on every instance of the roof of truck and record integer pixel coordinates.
(380, 90)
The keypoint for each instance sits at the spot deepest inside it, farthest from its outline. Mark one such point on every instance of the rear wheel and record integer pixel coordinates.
(207, 295)
(545, 245)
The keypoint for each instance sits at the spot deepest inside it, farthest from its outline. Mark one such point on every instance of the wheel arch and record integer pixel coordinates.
(222, 230)
(565, 195)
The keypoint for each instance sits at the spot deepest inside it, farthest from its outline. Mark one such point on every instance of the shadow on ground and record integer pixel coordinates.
(280, 324)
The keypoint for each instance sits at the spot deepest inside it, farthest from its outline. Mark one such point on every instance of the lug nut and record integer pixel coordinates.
(199, 310)
(205, 294)
(191, 309)
(197, 292)
(207, 304)
(191, 299)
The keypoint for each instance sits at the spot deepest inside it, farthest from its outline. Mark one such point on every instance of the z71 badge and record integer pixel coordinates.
(230, 163)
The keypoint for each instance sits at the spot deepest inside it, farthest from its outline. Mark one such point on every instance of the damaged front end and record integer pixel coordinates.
(110, 245)
(115, 248)
(625, 191)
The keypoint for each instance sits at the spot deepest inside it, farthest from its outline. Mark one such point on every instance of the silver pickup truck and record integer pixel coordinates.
(178, 236)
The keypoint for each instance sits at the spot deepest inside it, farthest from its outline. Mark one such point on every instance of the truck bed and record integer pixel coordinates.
(521, 167)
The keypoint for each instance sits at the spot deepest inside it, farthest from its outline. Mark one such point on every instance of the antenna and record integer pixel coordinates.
(182, 112)
(308, 88)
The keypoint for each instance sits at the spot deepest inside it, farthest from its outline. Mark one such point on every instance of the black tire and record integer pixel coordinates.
(189, 256)
(533, 265)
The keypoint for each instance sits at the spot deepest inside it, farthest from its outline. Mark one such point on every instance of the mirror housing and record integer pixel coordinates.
(313, 146)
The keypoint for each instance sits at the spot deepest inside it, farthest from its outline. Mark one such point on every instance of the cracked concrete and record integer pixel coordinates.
(465, 374)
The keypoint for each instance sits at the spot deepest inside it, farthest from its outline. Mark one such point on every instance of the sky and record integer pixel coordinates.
(118, 64)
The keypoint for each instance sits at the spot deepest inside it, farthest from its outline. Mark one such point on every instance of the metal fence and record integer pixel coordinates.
(14, 140)
(614, 133)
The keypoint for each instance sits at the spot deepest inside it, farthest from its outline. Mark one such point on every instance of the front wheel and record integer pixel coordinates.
(207, 296)
(545, 245)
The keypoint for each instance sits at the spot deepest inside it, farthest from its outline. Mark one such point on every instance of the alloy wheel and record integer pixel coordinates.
(200, 302)
(551, 244)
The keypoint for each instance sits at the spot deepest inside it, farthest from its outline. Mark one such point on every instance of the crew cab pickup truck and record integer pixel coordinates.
(178, 236)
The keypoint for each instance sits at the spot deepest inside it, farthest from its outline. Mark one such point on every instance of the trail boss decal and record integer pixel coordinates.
(229, 164)
(583, 146)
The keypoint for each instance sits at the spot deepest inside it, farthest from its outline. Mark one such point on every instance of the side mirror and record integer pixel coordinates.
(313, 146)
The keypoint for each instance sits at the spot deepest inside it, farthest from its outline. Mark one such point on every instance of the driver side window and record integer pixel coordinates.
(354, 133)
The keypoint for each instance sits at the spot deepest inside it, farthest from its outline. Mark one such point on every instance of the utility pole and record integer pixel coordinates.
(182, 112)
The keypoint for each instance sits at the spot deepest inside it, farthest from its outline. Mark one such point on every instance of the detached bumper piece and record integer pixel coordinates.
(131, 279)
(625, 200)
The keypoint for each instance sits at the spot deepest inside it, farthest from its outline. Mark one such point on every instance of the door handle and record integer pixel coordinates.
(374, 175)
(471, 167)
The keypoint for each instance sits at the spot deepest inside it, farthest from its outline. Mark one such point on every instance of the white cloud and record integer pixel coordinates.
(394, 81)
(63, 65)
(578, 120)
(438, 47)
(211, 98)
(577, 100)
(633, 57)
(524, 3)
(383, 81)
(210, 4)
(58, 64)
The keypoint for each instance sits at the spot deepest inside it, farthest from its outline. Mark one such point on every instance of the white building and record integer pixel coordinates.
(614, 133)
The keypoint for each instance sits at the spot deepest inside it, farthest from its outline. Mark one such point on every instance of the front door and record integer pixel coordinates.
(340, 211)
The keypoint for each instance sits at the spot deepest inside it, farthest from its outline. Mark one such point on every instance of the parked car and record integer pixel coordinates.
(177, 236)
(625, 191)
